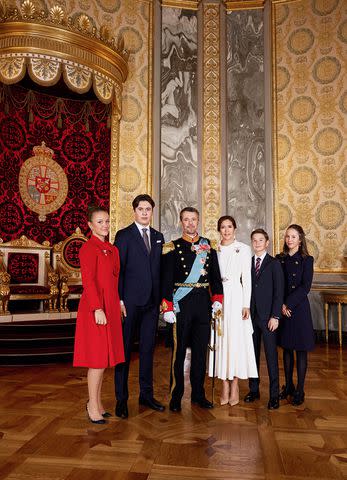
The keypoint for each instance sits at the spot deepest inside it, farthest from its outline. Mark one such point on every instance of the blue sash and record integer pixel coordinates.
(193, 276)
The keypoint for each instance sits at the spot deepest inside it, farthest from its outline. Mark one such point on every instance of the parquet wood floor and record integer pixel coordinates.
(45, 435)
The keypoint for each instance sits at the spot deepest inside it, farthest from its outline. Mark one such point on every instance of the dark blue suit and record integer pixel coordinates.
(266, 302)
(139, 288)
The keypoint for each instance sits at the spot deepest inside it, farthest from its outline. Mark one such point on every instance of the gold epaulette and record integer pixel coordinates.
(168, 247)
(214, 244)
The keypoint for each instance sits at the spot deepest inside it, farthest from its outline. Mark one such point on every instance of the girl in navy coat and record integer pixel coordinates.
(296, 329)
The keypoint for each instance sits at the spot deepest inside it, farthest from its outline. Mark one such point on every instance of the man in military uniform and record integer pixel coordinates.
(191, 281)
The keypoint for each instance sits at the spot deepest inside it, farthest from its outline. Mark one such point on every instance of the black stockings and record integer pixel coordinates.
(301, 367)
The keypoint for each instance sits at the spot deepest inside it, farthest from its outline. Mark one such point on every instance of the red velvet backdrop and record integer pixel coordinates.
(81, 147)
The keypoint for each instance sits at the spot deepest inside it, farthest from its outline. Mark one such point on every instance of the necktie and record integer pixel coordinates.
(257, 266)
(146, 239)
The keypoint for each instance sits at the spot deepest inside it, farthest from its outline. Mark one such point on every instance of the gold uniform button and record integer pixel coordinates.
(296, 263)
(294, 274)
(182, 259)
(293, 286)
(184, 266)
(186, 273)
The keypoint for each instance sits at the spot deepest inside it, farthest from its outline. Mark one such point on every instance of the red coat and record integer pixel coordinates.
(99, 346)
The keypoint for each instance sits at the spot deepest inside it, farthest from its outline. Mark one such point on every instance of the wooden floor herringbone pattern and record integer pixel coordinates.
(45, 435)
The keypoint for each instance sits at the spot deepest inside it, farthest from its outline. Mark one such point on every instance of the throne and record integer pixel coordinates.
(26, 274)
(66, 262)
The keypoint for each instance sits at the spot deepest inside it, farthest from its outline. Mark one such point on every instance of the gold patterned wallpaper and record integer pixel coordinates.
(310, 103)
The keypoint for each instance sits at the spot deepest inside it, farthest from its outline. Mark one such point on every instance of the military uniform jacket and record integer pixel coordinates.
(296, 332)
(177, 264)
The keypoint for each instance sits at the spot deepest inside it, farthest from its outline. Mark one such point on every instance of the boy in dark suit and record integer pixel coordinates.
(266, 304)
(140, 249)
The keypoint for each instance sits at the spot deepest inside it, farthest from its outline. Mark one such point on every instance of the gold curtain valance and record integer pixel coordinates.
(49, 51)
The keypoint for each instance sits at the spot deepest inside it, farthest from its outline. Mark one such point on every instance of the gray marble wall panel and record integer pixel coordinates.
(246, 164)
(179, 164)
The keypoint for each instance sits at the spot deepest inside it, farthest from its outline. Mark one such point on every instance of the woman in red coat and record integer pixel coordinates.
(98, 338)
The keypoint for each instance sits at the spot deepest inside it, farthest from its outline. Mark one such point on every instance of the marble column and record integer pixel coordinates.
(178, 145)
(246, 162)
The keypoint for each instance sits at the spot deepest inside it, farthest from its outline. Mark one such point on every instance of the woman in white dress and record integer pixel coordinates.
(234, 345)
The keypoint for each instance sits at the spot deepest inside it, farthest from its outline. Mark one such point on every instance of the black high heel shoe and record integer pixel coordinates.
(286, 392)
(106, 414)
(98, 422)
(298, 398)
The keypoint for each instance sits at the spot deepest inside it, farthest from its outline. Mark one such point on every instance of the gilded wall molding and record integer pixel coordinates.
(211, 158)
(186, 4)
(150, 102)
(233, 5)
(274, 147)
(114, 169)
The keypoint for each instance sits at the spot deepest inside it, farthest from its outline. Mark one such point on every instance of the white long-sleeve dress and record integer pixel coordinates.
(234, 344)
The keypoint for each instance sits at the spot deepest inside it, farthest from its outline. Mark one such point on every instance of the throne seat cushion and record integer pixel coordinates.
(75, 288)
(29, 290)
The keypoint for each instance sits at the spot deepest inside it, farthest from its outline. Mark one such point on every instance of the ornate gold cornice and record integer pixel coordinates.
(81, 24)
(186, 4)
(233, 5)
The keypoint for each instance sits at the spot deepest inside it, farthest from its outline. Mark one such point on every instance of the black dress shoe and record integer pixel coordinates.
(251, 396)
(203, 403)
(106, 414)
(298, 398)
(286, 392)
(175, 405)
(122, 409)
(97, 422)
(151, 403)
(273, 403)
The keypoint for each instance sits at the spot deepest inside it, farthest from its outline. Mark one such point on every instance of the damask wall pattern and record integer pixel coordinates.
(133, 21)
(311, 111)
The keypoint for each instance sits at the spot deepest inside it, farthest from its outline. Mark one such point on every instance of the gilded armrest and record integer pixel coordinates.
(63, 285)
(53, 283)
(5, 279)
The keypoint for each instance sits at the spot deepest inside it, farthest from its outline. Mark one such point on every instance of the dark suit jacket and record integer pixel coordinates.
(139, 277)
(267, 289)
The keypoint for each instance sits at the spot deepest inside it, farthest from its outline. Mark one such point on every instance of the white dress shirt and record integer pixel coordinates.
(261, 259)
(141, 227)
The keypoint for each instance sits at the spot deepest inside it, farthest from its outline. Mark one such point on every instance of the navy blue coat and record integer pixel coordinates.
(296, 332)
(139, 276)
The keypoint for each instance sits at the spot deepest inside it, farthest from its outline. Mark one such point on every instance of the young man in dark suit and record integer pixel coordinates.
(266, 304)
(140, 249)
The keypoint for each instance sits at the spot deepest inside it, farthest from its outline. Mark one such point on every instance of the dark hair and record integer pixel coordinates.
(93, 209)
(303, 245)
(223, 218)
(189, 209)
(143, 197)
(262, 232)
